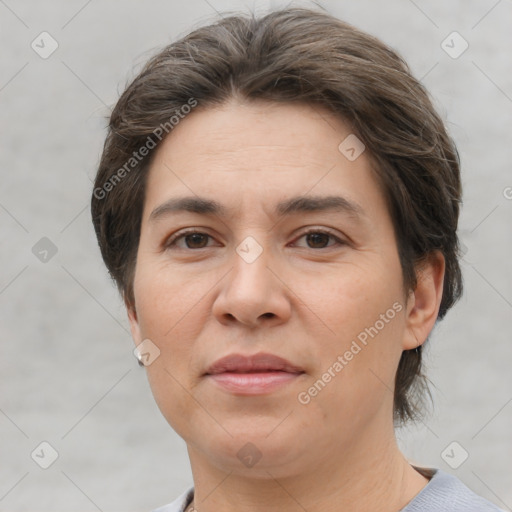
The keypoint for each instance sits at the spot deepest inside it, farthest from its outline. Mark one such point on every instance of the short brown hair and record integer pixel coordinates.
(308, 56)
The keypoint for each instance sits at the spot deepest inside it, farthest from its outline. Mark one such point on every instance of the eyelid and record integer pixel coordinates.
(326, 231)
(170, 241)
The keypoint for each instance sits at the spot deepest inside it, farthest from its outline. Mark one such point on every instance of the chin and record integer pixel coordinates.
(255, 452)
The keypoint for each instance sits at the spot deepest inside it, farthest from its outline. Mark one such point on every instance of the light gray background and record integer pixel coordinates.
(68, 375)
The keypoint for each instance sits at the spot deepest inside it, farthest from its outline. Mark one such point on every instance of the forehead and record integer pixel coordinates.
(258, 154)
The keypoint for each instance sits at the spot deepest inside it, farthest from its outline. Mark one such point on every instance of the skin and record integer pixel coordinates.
(303, 299)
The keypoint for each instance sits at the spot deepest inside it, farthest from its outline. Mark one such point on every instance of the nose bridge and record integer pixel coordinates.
(250, 275)
(251, 289)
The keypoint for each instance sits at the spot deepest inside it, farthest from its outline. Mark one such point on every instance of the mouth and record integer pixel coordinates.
(252, 375)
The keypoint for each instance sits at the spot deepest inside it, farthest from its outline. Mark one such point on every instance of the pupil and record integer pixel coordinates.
(196, 238)
(316, 236)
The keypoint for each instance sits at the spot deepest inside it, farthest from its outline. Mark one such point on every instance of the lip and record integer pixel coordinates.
(253, 375)
(261, 362)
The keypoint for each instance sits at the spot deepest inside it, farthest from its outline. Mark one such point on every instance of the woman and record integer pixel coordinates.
(277, 201)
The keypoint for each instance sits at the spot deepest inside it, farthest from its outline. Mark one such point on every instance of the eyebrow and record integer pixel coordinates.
(299, 204)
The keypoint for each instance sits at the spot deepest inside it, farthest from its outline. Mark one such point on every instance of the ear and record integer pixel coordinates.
(134, 322)
(423, 303)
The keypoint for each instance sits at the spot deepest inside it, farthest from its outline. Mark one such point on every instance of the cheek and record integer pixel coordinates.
(353, 298)
(356, 380)
(166, 301)
(167, 312)
(363, 317)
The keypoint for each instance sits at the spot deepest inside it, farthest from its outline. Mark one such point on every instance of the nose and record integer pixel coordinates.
(253, 292)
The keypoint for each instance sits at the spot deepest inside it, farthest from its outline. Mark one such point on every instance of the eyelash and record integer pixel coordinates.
(171, 241)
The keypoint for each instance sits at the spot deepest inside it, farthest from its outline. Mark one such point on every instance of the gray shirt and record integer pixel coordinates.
(443, 493)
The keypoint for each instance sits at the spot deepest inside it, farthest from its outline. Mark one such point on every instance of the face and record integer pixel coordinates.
(316, 282)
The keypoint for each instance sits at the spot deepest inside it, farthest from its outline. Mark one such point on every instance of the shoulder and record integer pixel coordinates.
(179, 504)
(446, 493)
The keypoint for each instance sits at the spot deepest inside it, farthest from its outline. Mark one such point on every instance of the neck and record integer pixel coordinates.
(362, 477)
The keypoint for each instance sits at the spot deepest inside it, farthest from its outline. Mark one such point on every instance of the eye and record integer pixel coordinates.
(193, 239)
(319, 237)
(197, 239)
